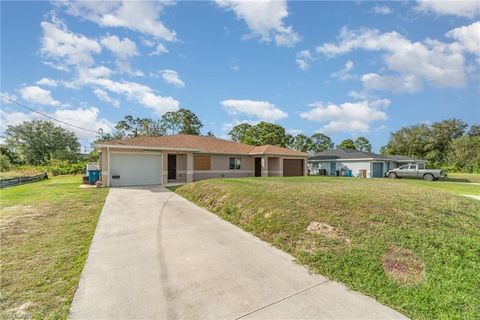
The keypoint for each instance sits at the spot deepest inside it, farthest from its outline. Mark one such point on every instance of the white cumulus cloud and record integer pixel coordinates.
(468, 37)
(436, 63)
(140, 93)
(382, 9)
(172, 77)
(159, 50)
(103, 96)
(304, 58)
(347, 117)
(263, 110)
(66, 47)
(465, 8)
(343, 74)
(140, 16)
(265, 19)
(47, 82)
(123, 49)
(37, 95)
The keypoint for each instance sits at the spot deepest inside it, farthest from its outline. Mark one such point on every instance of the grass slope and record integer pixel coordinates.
(453, 187)
(46, 230)
(364, 226)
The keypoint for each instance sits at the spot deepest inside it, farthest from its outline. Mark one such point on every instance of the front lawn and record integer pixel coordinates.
(447, 185)
(47, 228)
(463, 177)
(412, 247)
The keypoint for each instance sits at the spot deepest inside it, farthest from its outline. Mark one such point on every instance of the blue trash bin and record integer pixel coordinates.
(93, 176)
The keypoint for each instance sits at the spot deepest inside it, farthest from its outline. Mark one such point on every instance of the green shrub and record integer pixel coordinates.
(59, 167)
(5, 164)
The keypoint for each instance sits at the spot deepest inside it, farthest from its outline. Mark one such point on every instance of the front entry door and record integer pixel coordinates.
(258, 167)
(172, 166)
(333, 168)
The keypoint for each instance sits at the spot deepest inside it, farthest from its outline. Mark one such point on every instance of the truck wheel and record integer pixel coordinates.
(392, 175)
(428, 177)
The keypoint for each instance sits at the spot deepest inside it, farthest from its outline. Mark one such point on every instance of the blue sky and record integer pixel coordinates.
(343, 68)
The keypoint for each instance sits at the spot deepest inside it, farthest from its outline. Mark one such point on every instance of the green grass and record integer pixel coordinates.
(463, 177)
(412, 247)
(453, 187)
(28, 171)
(47, 229)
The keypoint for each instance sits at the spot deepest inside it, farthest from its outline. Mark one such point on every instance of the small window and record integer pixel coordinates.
(413, 166)
(235, 163)
(404, 167)
(201, 163)
(421, 166)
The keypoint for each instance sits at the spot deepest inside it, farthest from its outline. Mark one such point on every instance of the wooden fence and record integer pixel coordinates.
(21, 180)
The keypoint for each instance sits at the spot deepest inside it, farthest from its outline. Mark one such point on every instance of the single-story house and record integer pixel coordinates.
(186, 158)
(374, 164)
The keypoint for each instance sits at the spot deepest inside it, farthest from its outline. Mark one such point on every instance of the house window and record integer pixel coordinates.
(201, 163)
(235, 163)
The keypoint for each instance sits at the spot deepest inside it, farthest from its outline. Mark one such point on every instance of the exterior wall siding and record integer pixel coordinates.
(202, 175)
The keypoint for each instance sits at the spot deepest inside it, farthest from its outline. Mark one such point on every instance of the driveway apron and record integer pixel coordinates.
(156, 255)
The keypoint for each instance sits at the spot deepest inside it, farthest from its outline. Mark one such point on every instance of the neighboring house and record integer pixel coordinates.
(375, 164)
(186, 158)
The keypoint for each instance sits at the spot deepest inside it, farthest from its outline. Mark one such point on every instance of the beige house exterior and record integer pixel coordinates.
(187, 158)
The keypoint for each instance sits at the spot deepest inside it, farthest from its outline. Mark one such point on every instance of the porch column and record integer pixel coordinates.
(280, 167)
(305, 167)
(189, 167)
(264, 166)
(164, 167)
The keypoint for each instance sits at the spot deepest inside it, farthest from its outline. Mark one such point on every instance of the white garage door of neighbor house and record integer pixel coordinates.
(135, 169)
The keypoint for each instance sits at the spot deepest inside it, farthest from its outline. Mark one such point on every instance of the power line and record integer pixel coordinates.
(45, 115)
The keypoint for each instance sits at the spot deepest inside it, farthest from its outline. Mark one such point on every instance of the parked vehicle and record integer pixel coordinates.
(416, 170)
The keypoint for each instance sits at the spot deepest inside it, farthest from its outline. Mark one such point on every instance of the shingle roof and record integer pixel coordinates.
(201, 144)
(339, 153)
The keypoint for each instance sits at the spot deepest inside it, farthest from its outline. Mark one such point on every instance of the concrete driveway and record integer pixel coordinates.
(156, 255)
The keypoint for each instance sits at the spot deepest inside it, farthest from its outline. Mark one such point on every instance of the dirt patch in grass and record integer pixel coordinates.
(327, 231)
(403, 266)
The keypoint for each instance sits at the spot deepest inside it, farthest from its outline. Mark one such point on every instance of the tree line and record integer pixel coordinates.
(270, 133)
(450, 144)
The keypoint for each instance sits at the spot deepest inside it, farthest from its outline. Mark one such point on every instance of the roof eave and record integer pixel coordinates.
(122, 146)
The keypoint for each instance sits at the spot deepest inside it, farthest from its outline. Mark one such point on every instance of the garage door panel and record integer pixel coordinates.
(292, 167)
(135, 169)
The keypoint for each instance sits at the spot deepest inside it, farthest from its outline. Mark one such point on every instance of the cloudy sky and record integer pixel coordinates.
(342, 68)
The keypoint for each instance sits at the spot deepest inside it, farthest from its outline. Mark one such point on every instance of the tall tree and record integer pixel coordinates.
(347, 144)
(36, 142)
(301, 143)
(409, 141)
(441, 136)
(239, 131)
(133, 127)
(321, 142)
(464, 154)
(474, 130)
(182, 121)
(260, 134)
(363, 144)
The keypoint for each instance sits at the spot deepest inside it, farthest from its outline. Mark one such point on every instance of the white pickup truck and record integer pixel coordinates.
(416, 170)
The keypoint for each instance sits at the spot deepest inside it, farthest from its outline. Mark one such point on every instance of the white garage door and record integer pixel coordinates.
(135, 169)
